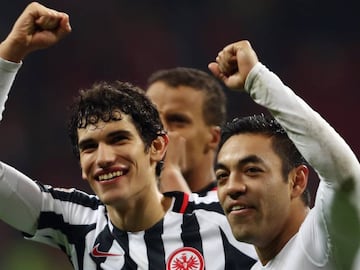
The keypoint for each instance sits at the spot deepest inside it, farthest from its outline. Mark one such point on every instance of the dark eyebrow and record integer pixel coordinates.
(251, 159)
(241, 162)
(123, 133)
(219, 166)
(176, 116)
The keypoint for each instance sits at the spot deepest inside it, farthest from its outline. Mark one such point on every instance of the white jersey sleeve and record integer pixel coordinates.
(8, 71)
(327, 228)
(20, 198)
(317, 141)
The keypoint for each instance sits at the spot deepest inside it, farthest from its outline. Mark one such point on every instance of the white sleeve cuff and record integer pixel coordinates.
(8, 71)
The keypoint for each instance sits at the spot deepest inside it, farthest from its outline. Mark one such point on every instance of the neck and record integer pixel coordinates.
(200, 177)
(198, 182)
(140, 213)
(274, 247)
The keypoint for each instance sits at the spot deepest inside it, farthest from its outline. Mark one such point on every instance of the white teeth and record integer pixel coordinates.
(108, 176)
(237, 207)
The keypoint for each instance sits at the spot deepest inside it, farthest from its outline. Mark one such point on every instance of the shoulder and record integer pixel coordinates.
(70, 195)
(189, 203)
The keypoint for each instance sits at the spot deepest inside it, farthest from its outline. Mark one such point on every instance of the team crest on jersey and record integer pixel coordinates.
(185, 258)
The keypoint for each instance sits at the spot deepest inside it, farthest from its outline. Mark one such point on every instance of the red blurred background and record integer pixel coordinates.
(312, 45)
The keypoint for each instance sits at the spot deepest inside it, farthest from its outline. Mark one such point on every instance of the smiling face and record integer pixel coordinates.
(115, 163)
(252, 190)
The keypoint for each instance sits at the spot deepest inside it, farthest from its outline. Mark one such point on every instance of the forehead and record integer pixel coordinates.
(101, 128)
(180, 97)
(241, 146)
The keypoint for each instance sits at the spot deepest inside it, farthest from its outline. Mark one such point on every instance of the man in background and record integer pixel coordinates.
(192, 107)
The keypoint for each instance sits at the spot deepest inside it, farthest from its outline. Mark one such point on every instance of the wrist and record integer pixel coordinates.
(12, 51)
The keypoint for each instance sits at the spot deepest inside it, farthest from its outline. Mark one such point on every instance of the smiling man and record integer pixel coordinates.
(118, 138)
(262, 174)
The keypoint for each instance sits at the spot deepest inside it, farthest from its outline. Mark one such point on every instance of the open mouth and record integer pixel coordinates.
(110, 176)
(239, 208)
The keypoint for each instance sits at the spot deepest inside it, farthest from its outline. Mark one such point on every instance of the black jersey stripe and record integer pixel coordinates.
(75, 234)
(72, 195)
(123, 239)
(181, 201)
(183, 205)
(213, 207)
(190, 234)
(242, 261)
(56, 222)
(155, 247)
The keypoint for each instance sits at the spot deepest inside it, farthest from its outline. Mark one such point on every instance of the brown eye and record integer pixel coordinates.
(221, 176)
(253, 170)
(118, 139)
(87, 147)
(177, 121)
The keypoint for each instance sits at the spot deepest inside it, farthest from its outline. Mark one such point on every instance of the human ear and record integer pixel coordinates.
(158, 147)
(214, 137)
(299, 179)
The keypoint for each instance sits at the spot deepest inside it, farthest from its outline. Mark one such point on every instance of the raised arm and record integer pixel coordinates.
(238, 67)
(37, 28)
(325, 150)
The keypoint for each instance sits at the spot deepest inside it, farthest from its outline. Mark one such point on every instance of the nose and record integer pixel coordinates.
(105, 155)
(235, 186)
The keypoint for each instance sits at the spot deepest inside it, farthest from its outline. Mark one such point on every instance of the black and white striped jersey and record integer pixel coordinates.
(194, 234)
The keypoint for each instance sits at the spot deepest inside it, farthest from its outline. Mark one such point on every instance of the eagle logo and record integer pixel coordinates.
(185, 258)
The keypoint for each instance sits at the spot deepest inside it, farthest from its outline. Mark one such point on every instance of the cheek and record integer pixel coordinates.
(196, 142)
(83, 175)
(204, 138)
(84, 165)
(276, 199)
(220, 194)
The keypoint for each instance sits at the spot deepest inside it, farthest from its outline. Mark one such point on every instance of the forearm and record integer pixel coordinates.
(20, 199)
(319, 143)
(8, 71)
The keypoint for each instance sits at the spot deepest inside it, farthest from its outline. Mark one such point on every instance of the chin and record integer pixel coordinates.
(240, 234)
(111, 199)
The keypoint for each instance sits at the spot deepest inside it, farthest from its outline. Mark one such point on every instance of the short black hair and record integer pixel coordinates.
(214, 107)
(281, 143)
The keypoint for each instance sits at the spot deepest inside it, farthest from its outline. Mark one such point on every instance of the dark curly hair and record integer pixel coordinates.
(105, 102)
(281, 143)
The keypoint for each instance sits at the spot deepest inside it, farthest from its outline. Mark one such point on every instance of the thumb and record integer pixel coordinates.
(214, 68)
